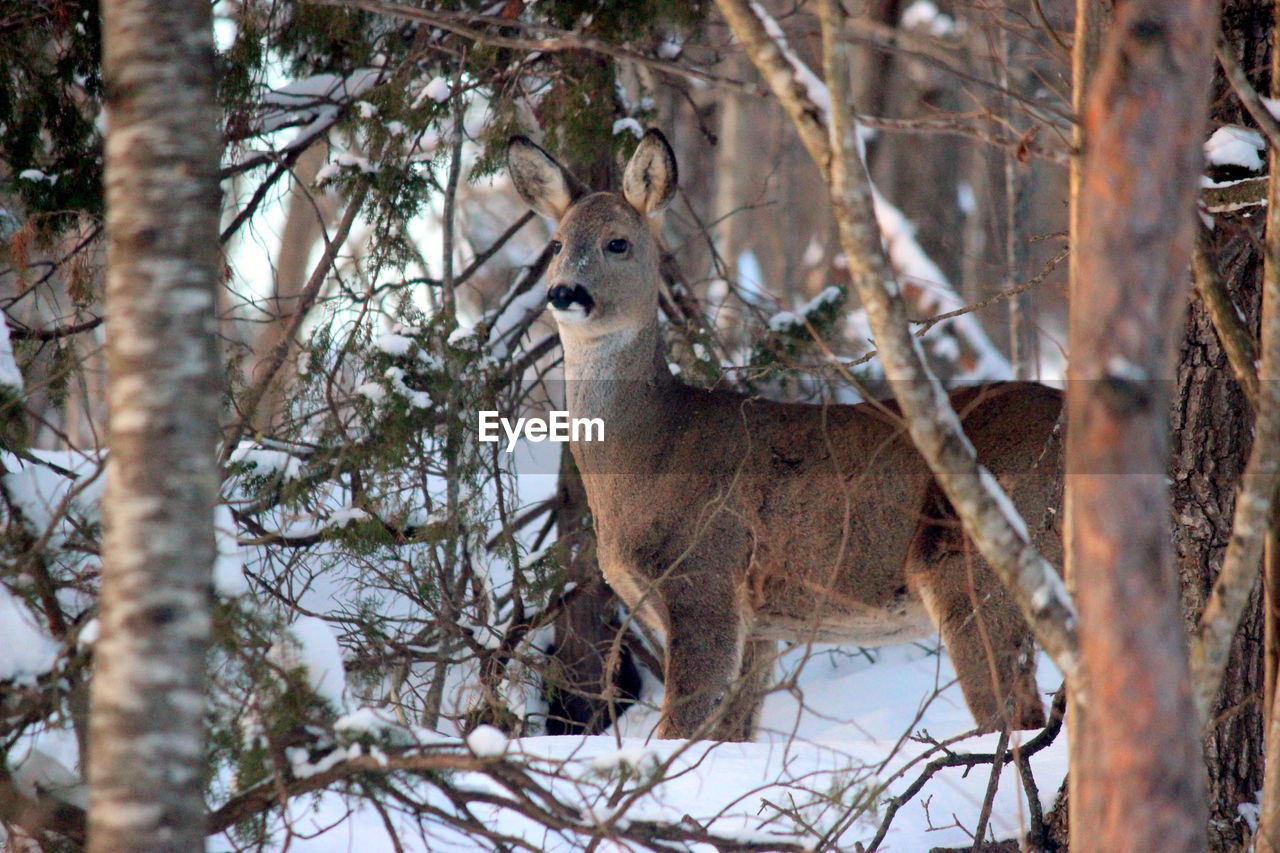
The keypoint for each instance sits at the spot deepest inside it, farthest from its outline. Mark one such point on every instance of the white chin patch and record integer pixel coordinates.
(572, 315)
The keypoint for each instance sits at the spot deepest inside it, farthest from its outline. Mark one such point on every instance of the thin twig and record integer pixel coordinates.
(23, 333)
(1043, 739)
(993, 784)
(280, 352)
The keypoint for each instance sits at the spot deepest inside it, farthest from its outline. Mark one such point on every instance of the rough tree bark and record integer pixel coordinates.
(147, 755)
(1212, 436)
(1138, 779)
(1211, 441)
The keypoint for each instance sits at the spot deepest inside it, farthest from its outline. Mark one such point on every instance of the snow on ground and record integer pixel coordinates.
(824, 746)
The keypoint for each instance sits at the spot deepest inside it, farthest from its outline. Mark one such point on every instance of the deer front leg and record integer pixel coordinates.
(703, 659)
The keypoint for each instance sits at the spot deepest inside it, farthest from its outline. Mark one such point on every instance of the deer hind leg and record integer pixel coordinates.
(990, 644)
(704, 656)
(740, 712)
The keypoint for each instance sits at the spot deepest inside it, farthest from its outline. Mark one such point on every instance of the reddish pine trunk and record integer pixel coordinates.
(1138, 781)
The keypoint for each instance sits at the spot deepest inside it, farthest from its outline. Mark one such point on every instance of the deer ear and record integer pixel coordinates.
(650, 180)
(544, 184)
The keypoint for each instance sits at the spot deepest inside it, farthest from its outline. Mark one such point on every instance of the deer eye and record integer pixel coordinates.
(556, 246)
(617, 246)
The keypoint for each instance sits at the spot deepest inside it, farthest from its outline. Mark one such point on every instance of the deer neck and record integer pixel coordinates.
(619, 377)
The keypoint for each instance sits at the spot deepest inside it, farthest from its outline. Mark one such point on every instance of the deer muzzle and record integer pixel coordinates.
(570, 298)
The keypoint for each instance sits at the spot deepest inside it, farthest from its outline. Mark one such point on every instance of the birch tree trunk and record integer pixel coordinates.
(1137, 748)
(146, 756)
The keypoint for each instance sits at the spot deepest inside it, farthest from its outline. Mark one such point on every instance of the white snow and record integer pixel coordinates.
(301, 765)
(634, 757)
(924, 15)
(487, 742)
(394, 344)
(822, 746)
(312, 646)
(373, 391)
(265, 461)
(35, 175)
(415, 398)
(1232, 145)
(366, 722)
(461, 334)
(816, 89)
(347, 514)
(437, 90)
(624, 125)
(670, 46)
(313, 102)
(89, 633)
(322, 87)
(228, 567)
(1250, 812)
(790, 321)
(812, 253)
(784, 321)
(914, 266)
(40, 491)
(345, 161)
(906, 255)
(10, 375)
(830, 295)
(750, 276)
(27, 651)
(37, 772)
(1007, 509)
(513, 314)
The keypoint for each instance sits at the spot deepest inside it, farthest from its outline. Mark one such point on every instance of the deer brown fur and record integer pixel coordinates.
(727, 522)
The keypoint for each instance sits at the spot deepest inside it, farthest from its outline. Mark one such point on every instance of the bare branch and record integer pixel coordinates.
(1236, 340)
(22, 333)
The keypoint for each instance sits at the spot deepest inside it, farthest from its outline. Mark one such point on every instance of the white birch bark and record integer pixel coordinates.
(146, 757)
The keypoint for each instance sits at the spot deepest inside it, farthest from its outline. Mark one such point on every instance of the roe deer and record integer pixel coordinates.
(727, 522)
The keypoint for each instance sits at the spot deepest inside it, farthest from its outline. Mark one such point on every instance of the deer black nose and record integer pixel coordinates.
(562, 297)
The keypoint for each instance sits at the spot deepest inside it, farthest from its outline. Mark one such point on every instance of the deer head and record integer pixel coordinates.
(603, 276)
